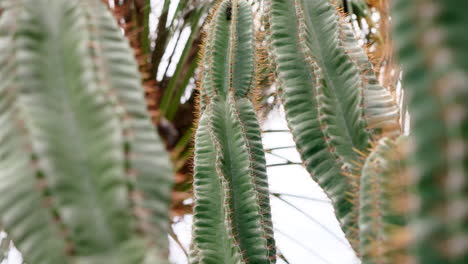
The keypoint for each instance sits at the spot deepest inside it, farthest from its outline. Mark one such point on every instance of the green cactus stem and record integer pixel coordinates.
(334, 105)
(232, 219)
(83, 175)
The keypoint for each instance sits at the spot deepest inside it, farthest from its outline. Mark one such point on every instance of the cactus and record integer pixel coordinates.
(431, 39)
(85, 179)
(333, 102)
(83, 175)
(383, 204)
(232, 219)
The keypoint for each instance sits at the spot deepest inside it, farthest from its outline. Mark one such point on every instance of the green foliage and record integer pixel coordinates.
(232, 219)
(83, 175)
(431, 39)
(333, 102)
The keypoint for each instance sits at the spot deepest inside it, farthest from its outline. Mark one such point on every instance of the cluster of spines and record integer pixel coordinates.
(229, 158)
(432, 49)
(100, 98)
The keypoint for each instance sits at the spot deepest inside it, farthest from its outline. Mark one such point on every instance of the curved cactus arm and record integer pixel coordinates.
(205, 75)
(210, 223)
(219, 50)
(323, 98)
(431, 42)
(381, 111)
(147, 164)
(78, 139)
(238, 165)
(242, 50)
(24, 210)
(234, 163)
(383, 196)
(228, 50)
(251, 128)
(343, 114)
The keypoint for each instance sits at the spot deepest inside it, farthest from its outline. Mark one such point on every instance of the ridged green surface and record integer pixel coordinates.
(383, 195)
(334, 105)
(22, 209)
(232, 219)
(210, 213)
(119, 78)
(381, 112)
(76, 130)
(431, 39)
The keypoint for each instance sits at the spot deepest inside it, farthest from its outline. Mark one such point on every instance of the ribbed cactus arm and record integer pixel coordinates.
(250, 126)
(319, 36)
(80, 159)
(210, 224)
(219, 50)
(24, 210)
(245, 215)
(229, 159)
(322, 97)
(147, 164)
(77, 138)
(431, 40)
(84, 176)
(228, 52)
(381, 111)
(242, 50)
(383, 196)
(227, 194)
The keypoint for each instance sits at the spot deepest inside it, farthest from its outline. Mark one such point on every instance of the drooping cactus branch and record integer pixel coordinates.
(334, 105)
(431, 40)
(232, 219)
(77, 142)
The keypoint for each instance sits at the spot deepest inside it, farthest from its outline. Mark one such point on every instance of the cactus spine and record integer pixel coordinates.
(77, 142)
(232, 219)
(431, 39)
(334, 105)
